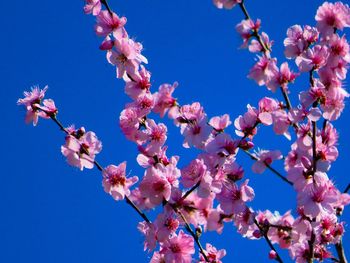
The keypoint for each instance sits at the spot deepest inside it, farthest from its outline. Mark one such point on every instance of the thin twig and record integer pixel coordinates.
(104, 2)
(101, 169)
(193, 234)
(269, 167)
(340, 251)
(264, 233)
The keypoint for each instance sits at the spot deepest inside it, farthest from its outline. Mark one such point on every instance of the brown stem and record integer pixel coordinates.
(264, 233)
(104, 2)
(340, 251)
(100, 168)
(311, 247)
(193, 234)
(253, 157)
(189, 192)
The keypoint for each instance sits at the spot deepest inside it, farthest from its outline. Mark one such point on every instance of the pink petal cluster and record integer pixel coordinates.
(115, 182)
(35, 107)
(332, 16)
(81, 148)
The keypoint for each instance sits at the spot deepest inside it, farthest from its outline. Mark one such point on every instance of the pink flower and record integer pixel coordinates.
(129, 122)
(126, 56)
(312, 58)
(228, 4)
(164, 99)
(157, 258)
(32, 100)
(140, 84)
(92, 7)
(81, 148)
(265, 158)
(318, 199)
(294, 43)
(246, 29)
(222, 145)
(115, 182)
(220, 123)
(149, 231)
(264, 70)
(213, 255)
(282, 78)
(193, 173)
(166, 224)
(107, 23)
(246, 124)
(332, 16)
(155, 186)
(196, 133)
(48, 108)
(157, 135)
(178, 249)
(333, 104)
(232, 198)
(281, 123)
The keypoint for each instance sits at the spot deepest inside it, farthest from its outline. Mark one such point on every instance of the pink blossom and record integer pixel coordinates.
(317, 199)
(157, 135)
(149, 231)
(193, 173)
(115, 182)
(139, 85)
(48, 108)
(339, 50)
(265, 158)
(332, 16)
(155, 186)
(92, 7)
(246, 29)
(178, 248)
(166, 224)
(164, 99)
(109, 23)
(281, 123)
(129, 122)
(81, 148)
(196, 133)
(126, 56)
(264, 70)
(294, 43)
(282, 78)
(157, 258)
(334, 104)
(213, 255)
(228, 4)
(32, 100)
(220, 123)
(312, 58)
(232, 198)
(222, 145)
(246, 124)
(244, 222)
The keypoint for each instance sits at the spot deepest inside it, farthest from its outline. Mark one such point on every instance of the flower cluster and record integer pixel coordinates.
(211, 189)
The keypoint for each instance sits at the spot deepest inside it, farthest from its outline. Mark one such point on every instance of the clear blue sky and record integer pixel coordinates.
(51, 212)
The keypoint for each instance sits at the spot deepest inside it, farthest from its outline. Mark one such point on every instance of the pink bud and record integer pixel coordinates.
(272, 254)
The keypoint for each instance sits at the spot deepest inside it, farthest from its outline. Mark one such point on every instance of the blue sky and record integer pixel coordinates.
(52, 212)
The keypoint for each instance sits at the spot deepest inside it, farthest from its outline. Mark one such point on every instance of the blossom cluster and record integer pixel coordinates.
(211, 189)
